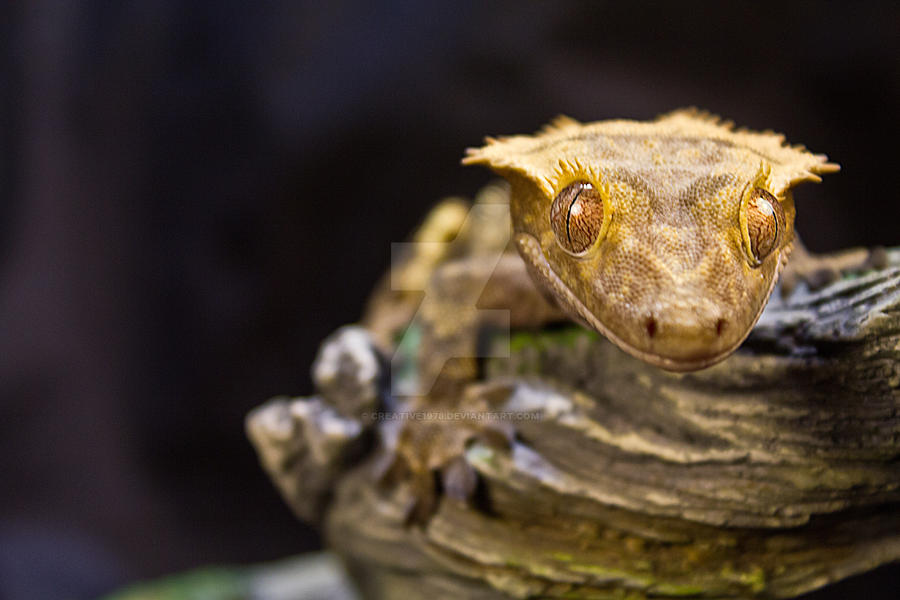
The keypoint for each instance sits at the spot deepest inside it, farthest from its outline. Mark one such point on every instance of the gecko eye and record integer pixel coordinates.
(577, 216)
(764, 219)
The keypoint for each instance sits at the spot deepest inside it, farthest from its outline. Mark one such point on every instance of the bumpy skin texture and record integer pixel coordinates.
(672, 278)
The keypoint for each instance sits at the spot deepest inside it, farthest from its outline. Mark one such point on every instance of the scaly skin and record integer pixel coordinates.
(671, 278)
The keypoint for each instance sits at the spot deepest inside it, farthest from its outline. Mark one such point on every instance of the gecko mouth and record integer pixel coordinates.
(670, 345)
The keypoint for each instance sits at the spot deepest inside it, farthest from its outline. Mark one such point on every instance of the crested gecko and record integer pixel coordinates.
(665, 236)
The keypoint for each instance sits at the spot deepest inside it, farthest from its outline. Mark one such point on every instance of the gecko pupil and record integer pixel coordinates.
(576, 216)
(764, 216)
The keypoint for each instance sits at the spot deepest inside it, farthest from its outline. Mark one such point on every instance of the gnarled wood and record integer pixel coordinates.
(770, 474)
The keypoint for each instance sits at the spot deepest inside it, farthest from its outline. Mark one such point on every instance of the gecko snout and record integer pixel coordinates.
(684, 334)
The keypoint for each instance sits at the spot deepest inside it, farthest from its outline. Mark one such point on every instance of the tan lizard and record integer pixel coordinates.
(665, 236)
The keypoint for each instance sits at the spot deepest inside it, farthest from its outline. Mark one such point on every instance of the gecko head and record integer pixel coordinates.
(667, 237)
(677, 279)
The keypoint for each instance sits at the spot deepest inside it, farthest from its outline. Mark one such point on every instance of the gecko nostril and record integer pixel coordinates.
(720, 326)
(650, 324)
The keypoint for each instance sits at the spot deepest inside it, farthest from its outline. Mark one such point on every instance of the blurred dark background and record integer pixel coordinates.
(194, 194)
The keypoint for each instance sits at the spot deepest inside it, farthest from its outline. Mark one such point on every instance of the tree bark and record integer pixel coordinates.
(768, 475)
